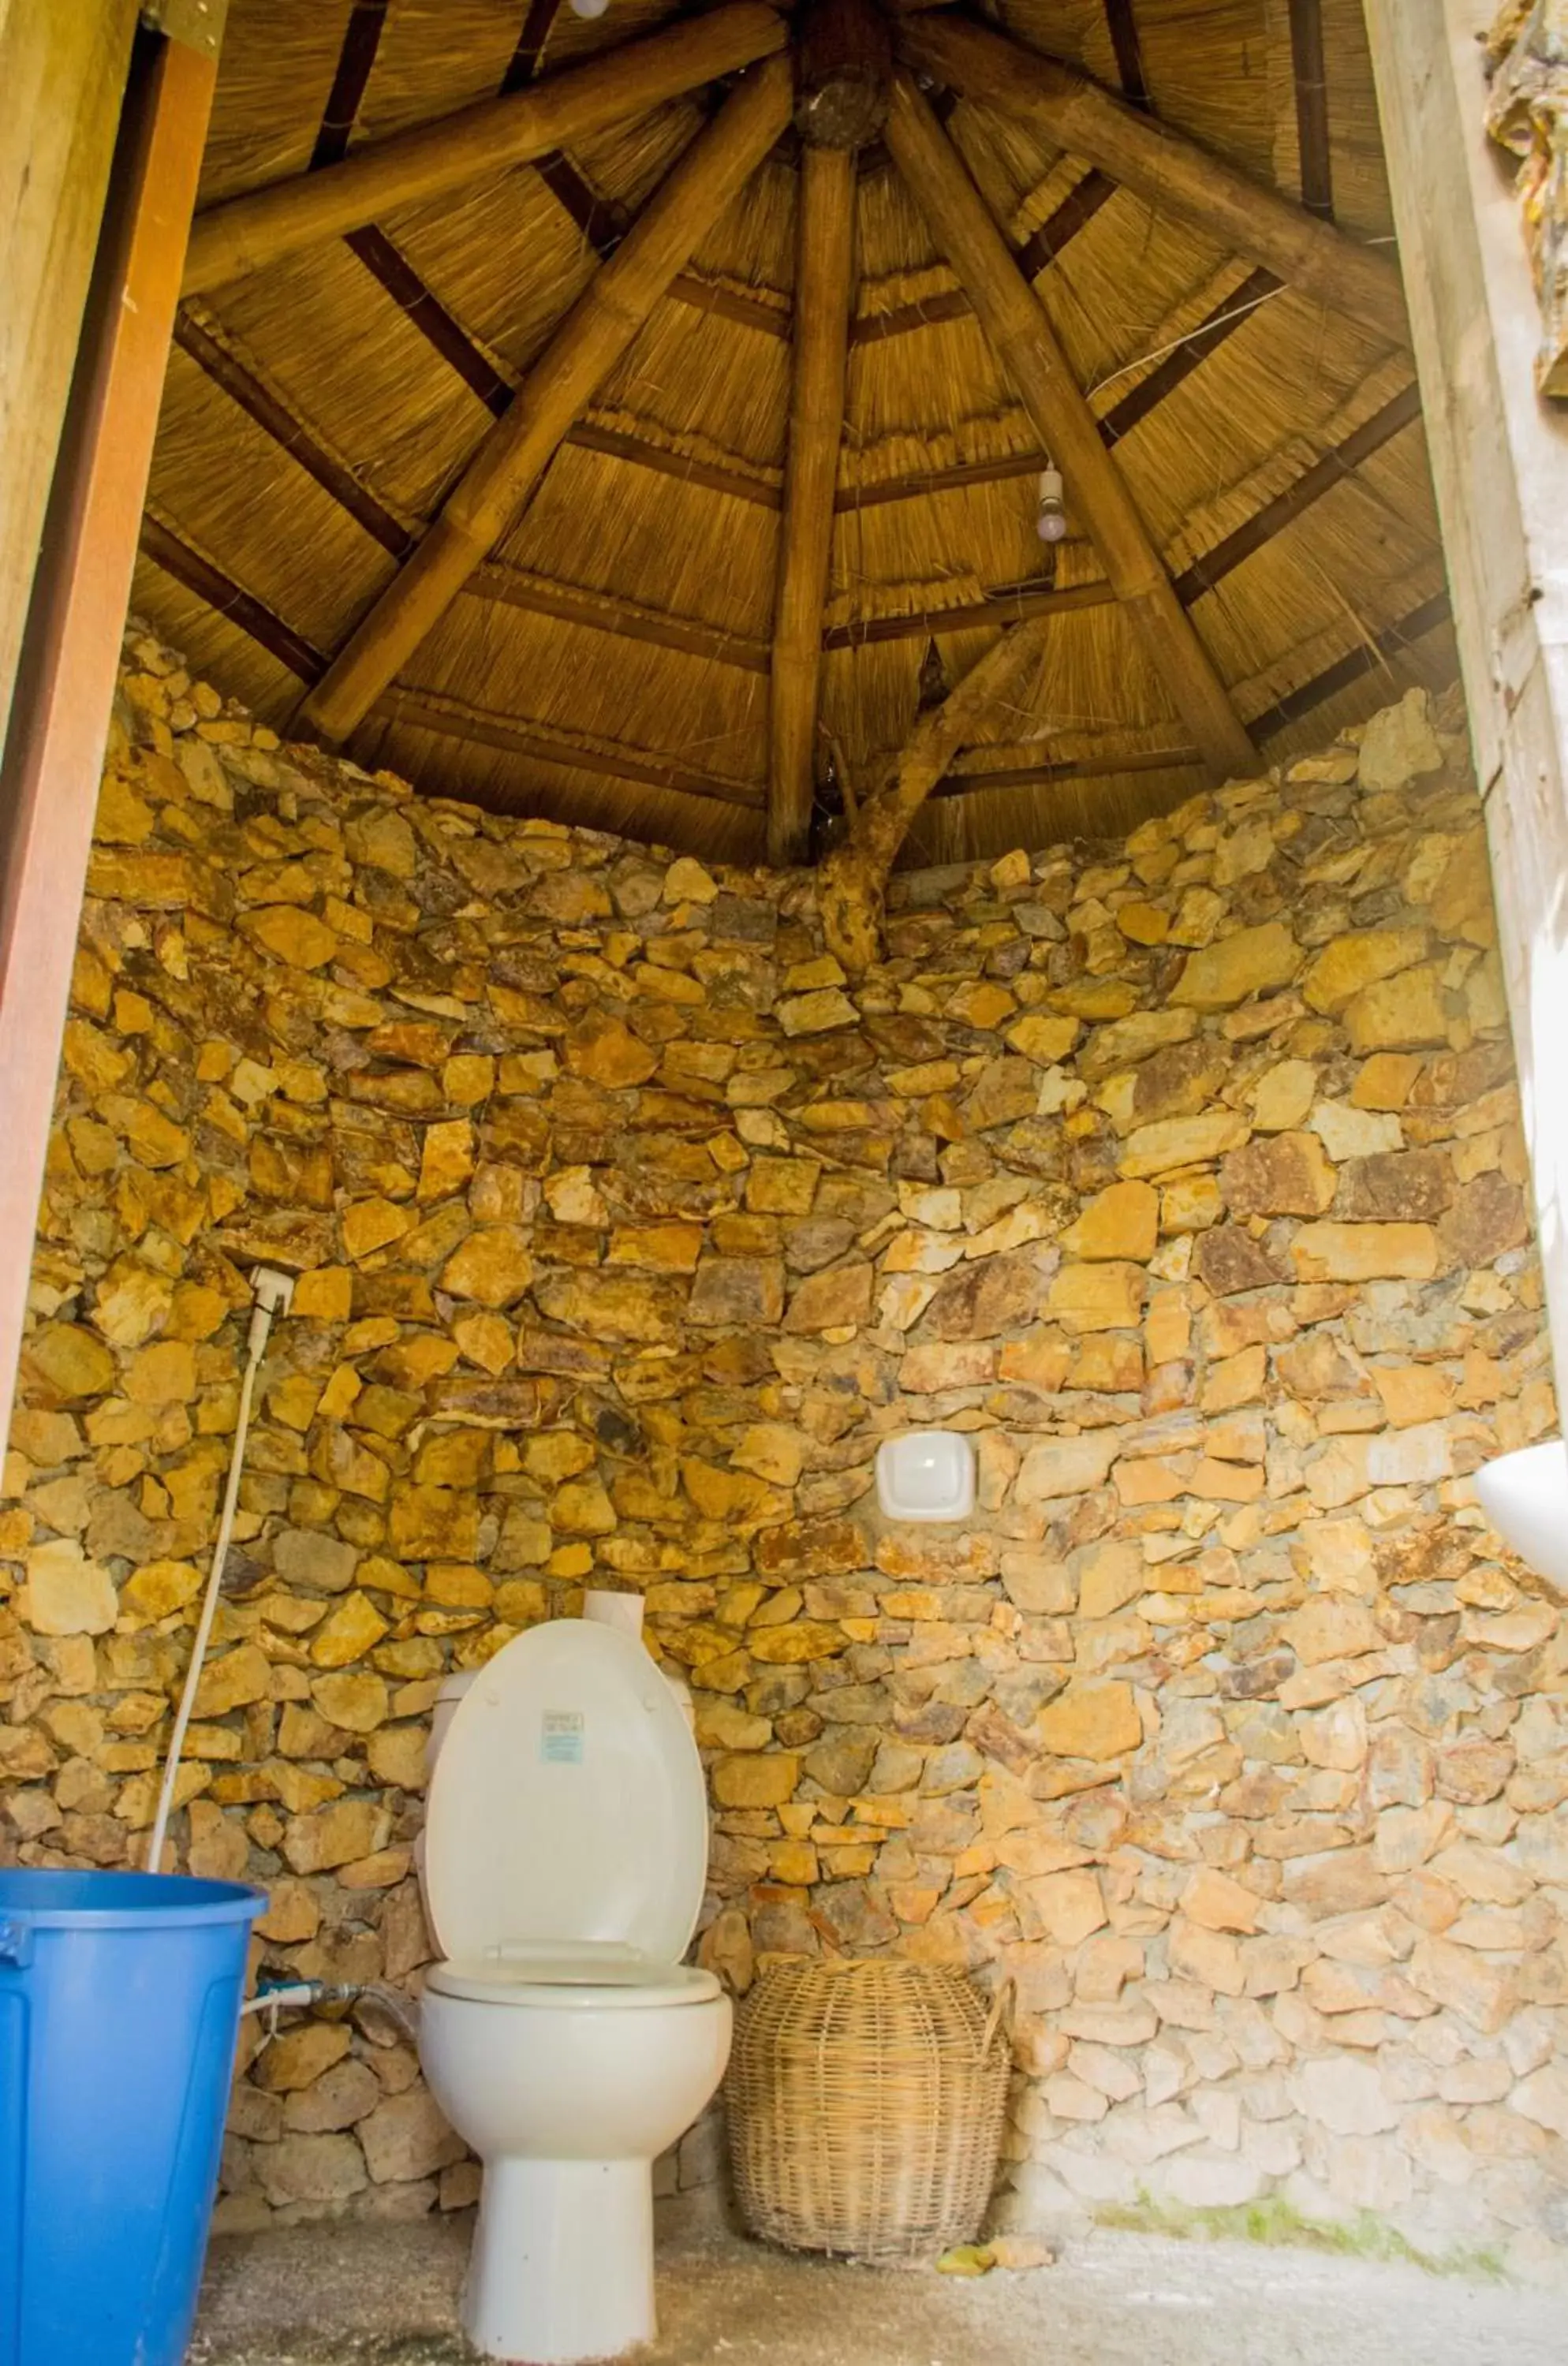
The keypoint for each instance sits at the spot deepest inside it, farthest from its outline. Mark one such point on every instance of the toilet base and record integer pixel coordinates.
(562, 2265)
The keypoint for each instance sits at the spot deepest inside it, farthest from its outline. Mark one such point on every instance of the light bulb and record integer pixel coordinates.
(1050, 519)
(589, 7)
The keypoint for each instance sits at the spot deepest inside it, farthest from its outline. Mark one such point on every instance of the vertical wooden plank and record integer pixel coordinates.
(61, 75)
(66, 675)
(824, 249)
(1500, 466)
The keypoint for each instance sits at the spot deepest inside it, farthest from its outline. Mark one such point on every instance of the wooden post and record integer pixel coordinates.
(1172, 172)
(1500, 464)
(1027, 346)
(62, 77)
(54, 752)
(824, 250)
(579, 357)
(843, 63)
(250, 231)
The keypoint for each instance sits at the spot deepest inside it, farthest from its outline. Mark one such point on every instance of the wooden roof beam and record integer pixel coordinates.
(1020, 332)
(171, 552)
(450, 718)
(624, 619)
(245, 233)
(824, 287)
(1001, 607)
(1310, 72)
(514, 453)
(194, 336)
(1172, 172)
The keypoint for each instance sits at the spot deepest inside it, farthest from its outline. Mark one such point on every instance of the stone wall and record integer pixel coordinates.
(1184, 1175)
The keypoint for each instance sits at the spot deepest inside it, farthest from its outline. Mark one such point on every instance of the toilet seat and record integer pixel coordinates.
(489, 1979)
(567, 1832)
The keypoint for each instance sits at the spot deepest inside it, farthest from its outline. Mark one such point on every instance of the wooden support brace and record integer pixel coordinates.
(247, 233)
(852, 882)
(1025, 342)
(585, 348)
(1170, 171)
(824, 261)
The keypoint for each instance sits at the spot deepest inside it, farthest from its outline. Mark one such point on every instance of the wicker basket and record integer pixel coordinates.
(865, 2109)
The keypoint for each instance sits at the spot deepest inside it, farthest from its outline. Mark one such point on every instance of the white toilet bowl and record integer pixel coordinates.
(569, 2096)
(566, 1854)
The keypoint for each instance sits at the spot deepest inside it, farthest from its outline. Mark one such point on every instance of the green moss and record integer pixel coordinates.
(1277, 2221)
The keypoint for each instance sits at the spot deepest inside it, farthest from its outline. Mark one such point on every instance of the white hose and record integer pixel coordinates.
(261, 1327)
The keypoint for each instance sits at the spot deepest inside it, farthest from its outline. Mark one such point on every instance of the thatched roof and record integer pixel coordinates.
(608, 662)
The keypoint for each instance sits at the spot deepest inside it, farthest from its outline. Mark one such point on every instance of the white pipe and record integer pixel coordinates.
(286, 1999)
(267, 1303)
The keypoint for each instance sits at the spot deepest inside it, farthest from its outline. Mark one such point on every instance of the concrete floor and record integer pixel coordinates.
(386, 2296)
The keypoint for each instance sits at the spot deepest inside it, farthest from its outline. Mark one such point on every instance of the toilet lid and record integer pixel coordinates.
(567, 1804)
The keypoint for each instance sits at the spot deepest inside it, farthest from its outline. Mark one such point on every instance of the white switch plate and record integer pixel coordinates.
(928, 1474)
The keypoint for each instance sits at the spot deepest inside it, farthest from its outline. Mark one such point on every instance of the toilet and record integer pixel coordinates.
(565, 1859)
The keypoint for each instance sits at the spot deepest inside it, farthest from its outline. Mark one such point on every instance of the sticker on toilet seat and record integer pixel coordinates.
(561, 1737)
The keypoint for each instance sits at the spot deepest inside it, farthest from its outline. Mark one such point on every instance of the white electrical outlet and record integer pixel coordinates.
(272, 1289)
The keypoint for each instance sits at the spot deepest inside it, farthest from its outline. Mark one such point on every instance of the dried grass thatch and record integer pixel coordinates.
(609, 663)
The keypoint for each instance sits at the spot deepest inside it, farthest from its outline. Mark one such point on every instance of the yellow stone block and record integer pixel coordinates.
(351, 1629)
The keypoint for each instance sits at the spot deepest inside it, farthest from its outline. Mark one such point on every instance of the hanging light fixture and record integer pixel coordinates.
(1051, 518)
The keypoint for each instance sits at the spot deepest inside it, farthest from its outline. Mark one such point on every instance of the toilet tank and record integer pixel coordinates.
(445, 1709)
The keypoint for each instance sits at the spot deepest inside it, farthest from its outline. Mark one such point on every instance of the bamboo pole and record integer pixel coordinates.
(825, 243)
(579, 357)
(1172, 172)
(250, 231)
(1026, 344)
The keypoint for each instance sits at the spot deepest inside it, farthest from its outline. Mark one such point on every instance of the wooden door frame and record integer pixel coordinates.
(1499, 456)
(58, 719)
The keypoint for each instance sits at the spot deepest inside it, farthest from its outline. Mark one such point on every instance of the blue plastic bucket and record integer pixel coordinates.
(120, 2005)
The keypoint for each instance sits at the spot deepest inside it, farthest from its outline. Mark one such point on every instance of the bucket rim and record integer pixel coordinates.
(62, 1899)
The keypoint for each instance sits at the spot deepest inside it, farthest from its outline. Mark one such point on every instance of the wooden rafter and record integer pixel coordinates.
(1339, 463)
(584, 349)
(1001, 607)
(824, 250)
(1121, 23)
(1028, 350)
(245, 233)
(1310, 72)
(450, 718)
(195, 337)
(170, 551)
(533, 38)
(629, 620)
(357, 58)
(423, 309)
(1221, 323)
(1364, 659)
(736, 484)
(1042, 248)
(960, 782)
(1163, 166)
